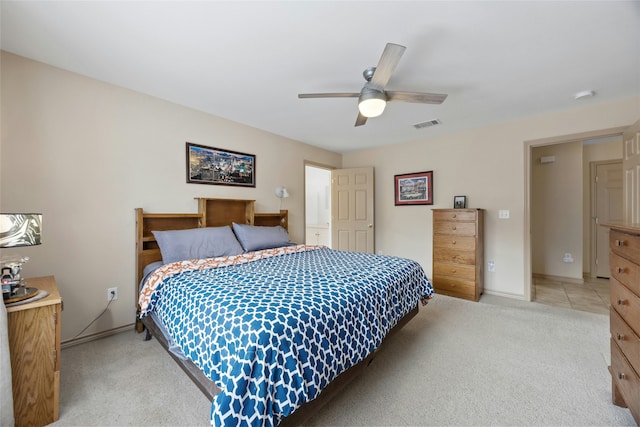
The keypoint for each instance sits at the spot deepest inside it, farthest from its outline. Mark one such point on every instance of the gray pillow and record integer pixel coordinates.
(254, 237)
(196, 243)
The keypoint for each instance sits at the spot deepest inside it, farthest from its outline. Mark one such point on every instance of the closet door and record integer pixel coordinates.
(631, 170)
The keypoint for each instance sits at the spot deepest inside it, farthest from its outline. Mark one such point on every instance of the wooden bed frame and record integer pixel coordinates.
(214, 213)
(211, 213)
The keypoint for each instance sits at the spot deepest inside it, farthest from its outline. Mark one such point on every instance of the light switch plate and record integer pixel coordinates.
(503, 214)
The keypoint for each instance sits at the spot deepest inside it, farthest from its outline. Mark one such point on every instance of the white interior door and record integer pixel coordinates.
(352, 209)
(608, 207)
(631, 168)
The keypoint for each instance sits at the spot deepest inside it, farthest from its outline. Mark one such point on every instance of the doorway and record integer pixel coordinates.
(595, 139)
(317, 205)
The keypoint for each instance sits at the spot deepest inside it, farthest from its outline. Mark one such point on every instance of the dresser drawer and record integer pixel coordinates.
(454, 228)
(626, 380)
(459, 271)
(463, 243)
(457, 287)
(457, 215)
(626, 303)
(626, 339)
(454, 256)
(625, 245)
(625, 272)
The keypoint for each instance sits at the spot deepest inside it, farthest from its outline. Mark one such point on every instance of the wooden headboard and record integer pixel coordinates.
(211, 213)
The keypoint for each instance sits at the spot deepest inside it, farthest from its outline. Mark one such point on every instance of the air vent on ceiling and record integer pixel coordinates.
(427, 124)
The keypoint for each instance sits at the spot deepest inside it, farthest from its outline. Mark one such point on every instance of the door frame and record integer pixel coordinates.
(593, 268)
(528, 158)
(304, 174)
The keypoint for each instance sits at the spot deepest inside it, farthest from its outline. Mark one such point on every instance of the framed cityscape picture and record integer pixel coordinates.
(209, 165)
(414, 188)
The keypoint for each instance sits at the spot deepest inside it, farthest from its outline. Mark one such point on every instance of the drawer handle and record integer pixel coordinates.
(621, 301)
(619, 242)
(453, 242)
(622, 376)
(621, 337)
(621, 269)
(453, 228)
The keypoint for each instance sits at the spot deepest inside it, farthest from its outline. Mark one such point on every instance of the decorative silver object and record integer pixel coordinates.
(16, 229)
(20, 230)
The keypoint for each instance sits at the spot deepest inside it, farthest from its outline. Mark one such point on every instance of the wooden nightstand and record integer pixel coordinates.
(34, 344)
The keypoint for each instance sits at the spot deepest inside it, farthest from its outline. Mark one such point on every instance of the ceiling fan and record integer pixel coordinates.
(373, 98)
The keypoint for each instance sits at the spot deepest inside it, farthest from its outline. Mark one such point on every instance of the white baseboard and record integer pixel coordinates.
(504, 294)
(97, 336)
(573, 280)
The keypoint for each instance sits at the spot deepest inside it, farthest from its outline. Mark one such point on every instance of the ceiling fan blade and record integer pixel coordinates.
(423, 98)
(387, 64)
(361, 119)
(329, 95)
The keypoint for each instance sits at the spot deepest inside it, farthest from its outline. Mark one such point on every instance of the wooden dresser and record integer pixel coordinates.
(624, 260)
(34, 345)
(458, 252)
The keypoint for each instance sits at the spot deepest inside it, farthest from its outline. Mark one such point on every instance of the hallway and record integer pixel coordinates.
(592, 296)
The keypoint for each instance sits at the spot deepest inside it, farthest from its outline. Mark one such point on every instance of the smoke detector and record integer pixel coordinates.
(584, 94)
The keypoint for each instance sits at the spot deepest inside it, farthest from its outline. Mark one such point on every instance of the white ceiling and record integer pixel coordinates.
(247, 61)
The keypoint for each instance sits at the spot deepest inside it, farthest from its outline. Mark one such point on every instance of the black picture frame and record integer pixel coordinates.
(414, 188)
(210, 165)
(459, 202)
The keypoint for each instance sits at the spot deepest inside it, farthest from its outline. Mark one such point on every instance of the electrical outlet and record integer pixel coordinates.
(491, 266)
(112, 294)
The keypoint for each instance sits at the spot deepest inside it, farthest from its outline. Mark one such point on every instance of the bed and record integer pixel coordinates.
(269, 330)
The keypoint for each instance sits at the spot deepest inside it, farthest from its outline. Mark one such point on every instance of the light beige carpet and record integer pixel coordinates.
(496, 362)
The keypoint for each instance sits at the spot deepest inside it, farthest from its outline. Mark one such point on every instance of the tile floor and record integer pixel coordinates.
(592, 296)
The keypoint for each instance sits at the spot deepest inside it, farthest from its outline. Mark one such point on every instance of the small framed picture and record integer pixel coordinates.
(459, 202)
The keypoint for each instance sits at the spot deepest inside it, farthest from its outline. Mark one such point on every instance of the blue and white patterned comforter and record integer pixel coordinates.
(273, 331)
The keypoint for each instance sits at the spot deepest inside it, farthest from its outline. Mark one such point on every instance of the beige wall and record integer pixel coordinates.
(488, 166)
(85, 154)
(556, 210)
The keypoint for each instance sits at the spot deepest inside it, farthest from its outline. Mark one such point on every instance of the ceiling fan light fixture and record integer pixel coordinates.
(371, 102)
